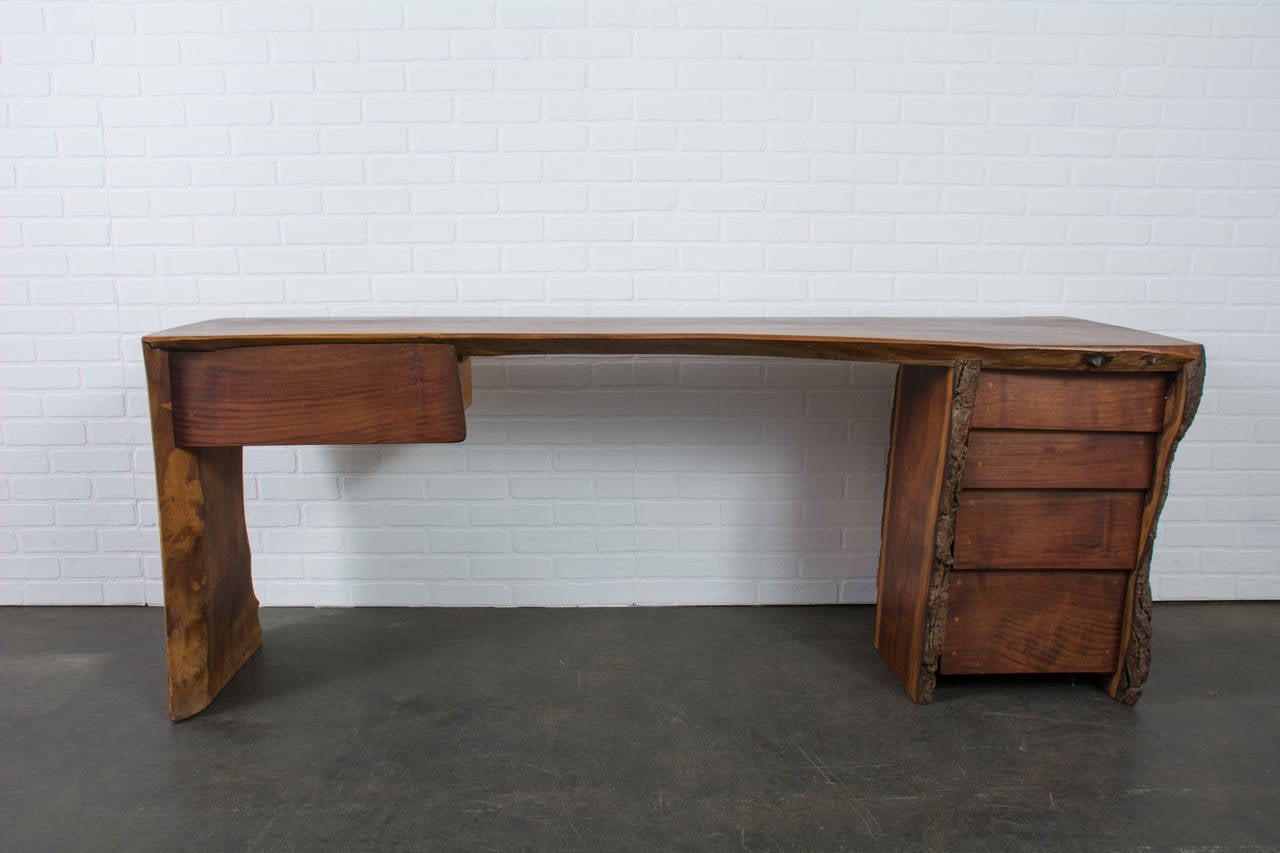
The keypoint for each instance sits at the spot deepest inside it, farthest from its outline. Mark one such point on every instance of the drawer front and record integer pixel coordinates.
(1011, 622)
(1048, 529)
(317, 394)
(1011, 459)
(1115, 402)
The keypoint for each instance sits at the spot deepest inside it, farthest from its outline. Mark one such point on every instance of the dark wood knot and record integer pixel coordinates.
(1097, 359)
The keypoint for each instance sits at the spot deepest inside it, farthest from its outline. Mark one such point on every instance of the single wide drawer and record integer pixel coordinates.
(1009, 622)
(394, 393)
(1114, 402)
(1048, 529)
(1041, 459)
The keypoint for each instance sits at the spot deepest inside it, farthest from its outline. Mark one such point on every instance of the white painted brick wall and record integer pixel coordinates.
(164, 162)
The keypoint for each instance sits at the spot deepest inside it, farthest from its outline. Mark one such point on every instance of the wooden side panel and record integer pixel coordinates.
(1116, 402)
(1009, 459)
(317, 394)
(1125, 683)
(1009, 622)
(1048, 529)
(921, 419)
(211, 612)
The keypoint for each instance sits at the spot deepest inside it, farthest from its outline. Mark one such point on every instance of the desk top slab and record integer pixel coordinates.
(1058, 343)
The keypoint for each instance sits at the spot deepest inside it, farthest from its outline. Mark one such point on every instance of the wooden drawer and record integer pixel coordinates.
(1048, 529)
(1009, 622)
(1112, 402)
(395, 393)
(1033, 459)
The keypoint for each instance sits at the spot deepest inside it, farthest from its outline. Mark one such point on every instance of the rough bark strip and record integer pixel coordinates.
(1126, 684)
(964, 396)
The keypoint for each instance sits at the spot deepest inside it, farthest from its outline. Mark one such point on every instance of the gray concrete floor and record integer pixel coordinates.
(774, 728)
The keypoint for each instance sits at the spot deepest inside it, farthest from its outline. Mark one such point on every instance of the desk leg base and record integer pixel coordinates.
(188, 697)
(932, 412)
(211, 612)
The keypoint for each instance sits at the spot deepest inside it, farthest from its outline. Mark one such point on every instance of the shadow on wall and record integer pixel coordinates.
(600, 481)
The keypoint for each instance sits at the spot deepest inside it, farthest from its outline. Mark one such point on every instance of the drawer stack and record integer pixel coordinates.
(1049, 521)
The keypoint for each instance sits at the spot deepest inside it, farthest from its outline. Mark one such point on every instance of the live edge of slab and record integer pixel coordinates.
(1058, 343)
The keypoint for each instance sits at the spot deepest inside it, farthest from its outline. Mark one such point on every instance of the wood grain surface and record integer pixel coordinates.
(1120, 402)
(1007, 622)
(1048, 529)
(317, 394)
(1034, 459)
(1059, 343)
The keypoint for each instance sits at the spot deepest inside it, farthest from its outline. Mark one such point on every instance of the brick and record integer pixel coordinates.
(276, 140)
(48, 49)
(470, 595)
(449, 139)
(404, 47)
(223, 49)
(542, 13)
(354, 78)
(137, 174)
(898, 78)
(260, 202)
(263, 18)
(365, 16)
(451, 14)
(367, 200)
(620, 13)
(1000, 80)
(721, 75)
(495, 45)
(56, 112)
(269, 80)
(364, 140)
(137, 50)
(229, 112)
(330, 170)
(60, 174)
(312, 48)
(291, 110)
(324, 232)
(543, 76)
(457, 259)
(369, 259)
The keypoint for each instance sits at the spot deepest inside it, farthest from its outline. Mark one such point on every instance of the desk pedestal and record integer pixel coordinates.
(1020, 516)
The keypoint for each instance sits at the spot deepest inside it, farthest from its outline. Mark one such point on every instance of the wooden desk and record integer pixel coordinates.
(1029, 461)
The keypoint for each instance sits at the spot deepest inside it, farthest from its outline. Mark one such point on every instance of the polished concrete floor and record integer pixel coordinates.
(772, 728)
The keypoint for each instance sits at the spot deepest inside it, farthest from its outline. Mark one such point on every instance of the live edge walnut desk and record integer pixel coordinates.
(1029, 461)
